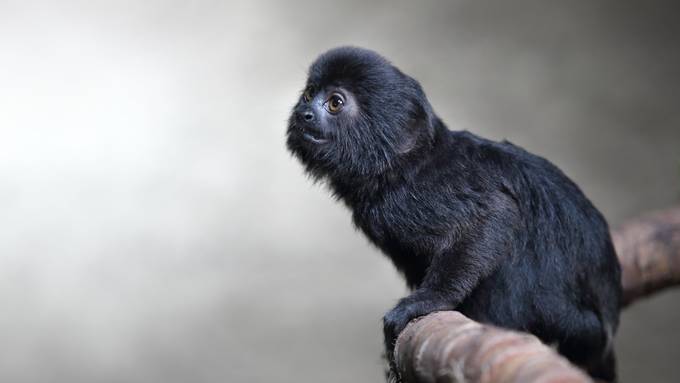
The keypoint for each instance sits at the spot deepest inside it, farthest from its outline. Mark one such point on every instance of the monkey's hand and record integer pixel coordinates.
(421, 302)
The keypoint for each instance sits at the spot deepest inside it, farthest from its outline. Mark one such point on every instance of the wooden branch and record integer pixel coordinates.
(447, 347)
(649, 252)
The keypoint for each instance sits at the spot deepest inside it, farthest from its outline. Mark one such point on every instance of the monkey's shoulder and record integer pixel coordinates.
(451, 190)
(509, 164)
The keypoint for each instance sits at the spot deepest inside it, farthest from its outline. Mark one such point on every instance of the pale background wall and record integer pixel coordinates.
(154, 229)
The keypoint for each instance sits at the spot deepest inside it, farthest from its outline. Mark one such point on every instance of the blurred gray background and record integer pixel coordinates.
(154, 229)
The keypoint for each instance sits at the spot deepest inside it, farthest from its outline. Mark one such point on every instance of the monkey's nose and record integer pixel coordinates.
(308, 115)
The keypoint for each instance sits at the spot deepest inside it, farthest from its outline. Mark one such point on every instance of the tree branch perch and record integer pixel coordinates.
(447, 347)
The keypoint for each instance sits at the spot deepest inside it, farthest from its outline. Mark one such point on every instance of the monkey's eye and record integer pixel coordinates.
(307, 94)
(335, 103)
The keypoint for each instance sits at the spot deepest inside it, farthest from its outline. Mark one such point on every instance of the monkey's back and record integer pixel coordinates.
(561, 276)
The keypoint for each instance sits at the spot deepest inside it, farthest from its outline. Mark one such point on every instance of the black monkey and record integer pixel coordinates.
(478, 226)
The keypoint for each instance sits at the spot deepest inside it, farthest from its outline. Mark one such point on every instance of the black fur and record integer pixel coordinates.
(478, 226)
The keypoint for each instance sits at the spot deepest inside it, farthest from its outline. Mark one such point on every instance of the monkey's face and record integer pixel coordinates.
(321, 127)
(357, 116)
(320, 113)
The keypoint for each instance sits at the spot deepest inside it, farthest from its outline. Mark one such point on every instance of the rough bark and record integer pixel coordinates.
(649, 252)
(447, 347)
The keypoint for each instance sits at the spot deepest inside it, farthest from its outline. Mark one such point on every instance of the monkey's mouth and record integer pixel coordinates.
(313, 136)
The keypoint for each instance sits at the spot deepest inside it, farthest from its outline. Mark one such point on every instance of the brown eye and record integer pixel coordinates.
(307, 94)
(335, 103)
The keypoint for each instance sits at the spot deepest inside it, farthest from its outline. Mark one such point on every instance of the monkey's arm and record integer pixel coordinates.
(451, 276)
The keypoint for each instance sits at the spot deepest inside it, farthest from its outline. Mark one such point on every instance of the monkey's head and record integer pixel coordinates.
(358, 116)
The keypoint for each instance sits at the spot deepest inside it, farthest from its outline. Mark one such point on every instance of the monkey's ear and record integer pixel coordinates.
(408, 143)
(419, 132)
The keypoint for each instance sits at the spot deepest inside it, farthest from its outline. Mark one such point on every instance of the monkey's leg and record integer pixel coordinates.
(589, 346)
(604, 368)
(600, 364)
